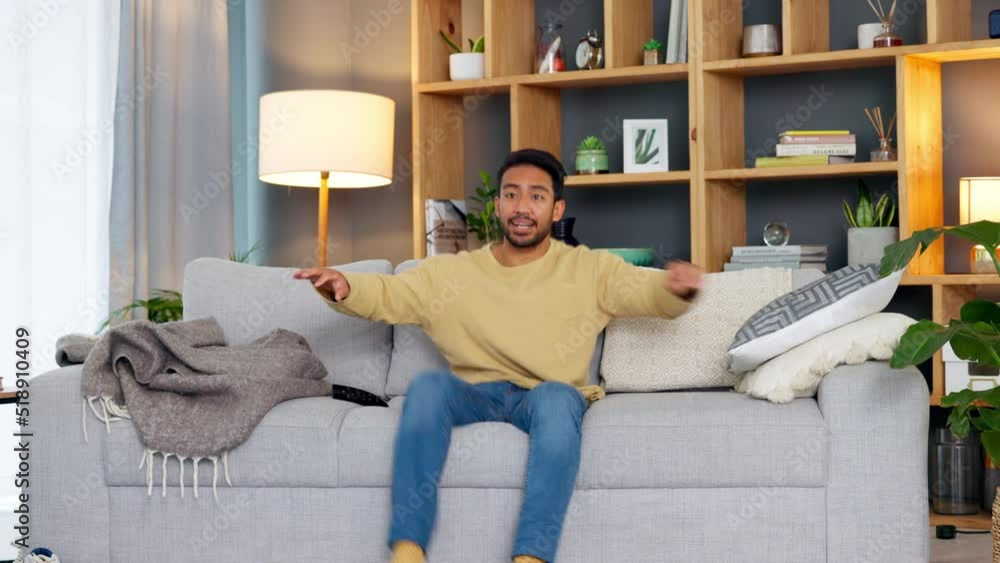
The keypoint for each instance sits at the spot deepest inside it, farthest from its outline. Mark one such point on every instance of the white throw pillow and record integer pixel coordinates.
(842, 297)
(798, 372)
(652, 354)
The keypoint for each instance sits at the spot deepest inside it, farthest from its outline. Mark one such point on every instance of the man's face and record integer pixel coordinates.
(526, 205)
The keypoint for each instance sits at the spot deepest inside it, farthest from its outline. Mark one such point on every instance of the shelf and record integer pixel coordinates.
(981, 521)
(802, 172)
(951, 279)
(855, 58)
(626, 76)
(466, 87)
(632, 179)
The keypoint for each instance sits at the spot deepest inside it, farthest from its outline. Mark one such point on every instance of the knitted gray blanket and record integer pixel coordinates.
(188, 393)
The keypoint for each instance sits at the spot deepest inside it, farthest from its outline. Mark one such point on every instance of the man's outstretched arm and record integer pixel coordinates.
(393, 299)
(625, 290)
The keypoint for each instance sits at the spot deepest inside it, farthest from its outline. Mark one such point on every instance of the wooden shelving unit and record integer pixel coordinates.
(715, 77)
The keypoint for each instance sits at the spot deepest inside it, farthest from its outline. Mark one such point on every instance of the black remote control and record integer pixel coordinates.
(359, 396)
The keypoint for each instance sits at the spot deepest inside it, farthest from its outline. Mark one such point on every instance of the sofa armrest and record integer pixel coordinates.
(68, 497)
(877, 505)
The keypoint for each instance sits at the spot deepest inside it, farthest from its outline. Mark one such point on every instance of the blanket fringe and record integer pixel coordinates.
(147, 462)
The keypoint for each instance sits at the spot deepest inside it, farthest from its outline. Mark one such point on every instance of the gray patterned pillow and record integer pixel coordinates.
(833, 301)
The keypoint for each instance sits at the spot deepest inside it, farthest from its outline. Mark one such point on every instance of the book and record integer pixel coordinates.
(787, 250)
(814, 133)
(816, 139)
(673, 33)
(682, 51)
(735, 266)
(842, 149)
(447, 228)
(804, 160)
(800, 258)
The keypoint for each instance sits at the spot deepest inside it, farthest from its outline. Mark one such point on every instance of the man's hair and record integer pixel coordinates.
(539, 159)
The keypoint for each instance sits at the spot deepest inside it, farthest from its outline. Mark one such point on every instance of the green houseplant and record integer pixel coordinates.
(974, 336)
(484, 222)
(591, 156)
(165, 305)
(870, 230)
(466, 65)
(652, 52)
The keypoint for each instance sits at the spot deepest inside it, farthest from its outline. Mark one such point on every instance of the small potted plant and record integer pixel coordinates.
(870, 231)
(651, 52)
(484, 222)
(591, 156)
(466, 66)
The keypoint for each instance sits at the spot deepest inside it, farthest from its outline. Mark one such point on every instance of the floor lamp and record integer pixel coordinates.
(325, 139)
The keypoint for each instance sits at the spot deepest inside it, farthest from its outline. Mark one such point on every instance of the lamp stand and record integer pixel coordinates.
(324, 204)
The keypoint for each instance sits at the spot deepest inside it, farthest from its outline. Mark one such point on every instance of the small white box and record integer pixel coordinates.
(957, 377)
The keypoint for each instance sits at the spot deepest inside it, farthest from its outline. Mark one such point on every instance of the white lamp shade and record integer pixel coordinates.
(979, 199)
(306, 132)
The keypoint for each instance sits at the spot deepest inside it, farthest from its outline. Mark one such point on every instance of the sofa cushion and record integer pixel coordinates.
(847, 295)
(294, 445)
(702, 439)
(693, 439)
(250, 301)
(689, 352)
(414, 353)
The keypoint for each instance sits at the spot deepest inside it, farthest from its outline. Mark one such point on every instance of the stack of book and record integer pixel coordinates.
(795, 257)
(812, 148)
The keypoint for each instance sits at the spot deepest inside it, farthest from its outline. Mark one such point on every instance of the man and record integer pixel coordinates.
(502, 316)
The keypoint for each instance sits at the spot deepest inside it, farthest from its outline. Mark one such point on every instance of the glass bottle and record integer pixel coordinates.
(884, 152)
(549, 49)
(889, 37)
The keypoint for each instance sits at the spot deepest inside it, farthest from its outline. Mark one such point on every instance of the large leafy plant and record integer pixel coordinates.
(165, 305)
(484, 222)
(868, 214)
(974, 336)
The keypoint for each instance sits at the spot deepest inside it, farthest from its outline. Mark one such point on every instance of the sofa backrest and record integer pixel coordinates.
(413, 353)
(251, 301)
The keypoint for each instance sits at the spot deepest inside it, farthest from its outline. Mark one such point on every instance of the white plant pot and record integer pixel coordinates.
(867, 33)
(467, 66)
(867, 245)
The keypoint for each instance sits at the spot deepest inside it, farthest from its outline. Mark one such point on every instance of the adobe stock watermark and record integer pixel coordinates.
(76, 153)
(221, 181)
(797, 119)
(32, 25)
(377, 23)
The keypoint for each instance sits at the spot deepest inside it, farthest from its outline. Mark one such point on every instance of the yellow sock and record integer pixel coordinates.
(527, 559)
(407, 552)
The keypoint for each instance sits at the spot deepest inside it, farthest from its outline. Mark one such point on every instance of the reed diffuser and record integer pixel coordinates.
(888, 37)
(884, 152)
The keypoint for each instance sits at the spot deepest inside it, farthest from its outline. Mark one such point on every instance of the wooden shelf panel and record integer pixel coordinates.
(803, 172)
(951, 279)
(981, 521)
(633, 179)
(856, 58)
(598, 78)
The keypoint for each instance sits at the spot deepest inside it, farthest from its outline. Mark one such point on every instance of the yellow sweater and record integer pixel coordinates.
(524, 324)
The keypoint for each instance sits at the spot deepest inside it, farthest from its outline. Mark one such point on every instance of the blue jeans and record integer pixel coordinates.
(436, 402)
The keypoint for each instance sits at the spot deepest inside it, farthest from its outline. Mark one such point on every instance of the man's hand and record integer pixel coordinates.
(683, 279)
(330, 281)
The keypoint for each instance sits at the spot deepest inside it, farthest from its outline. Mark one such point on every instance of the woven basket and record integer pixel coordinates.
(996, 529)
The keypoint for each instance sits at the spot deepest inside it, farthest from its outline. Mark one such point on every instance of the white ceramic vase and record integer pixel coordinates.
(866, 245)
(867, 33)
(467, 66)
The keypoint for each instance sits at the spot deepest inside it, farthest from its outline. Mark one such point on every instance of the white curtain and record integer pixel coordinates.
(57, 101)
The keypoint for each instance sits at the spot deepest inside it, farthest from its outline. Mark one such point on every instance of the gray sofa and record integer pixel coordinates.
(706, 476)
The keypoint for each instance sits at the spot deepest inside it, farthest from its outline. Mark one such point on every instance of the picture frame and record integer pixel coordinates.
(646, 146)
